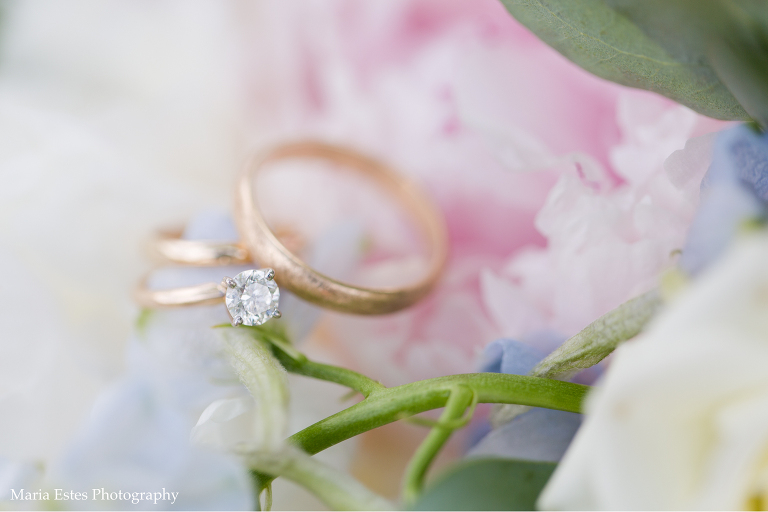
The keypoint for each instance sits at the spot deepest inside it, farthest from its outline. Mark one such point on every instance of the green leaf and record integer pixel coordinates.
(488, 484)
(608, 42)
(597, 340)
(731, 36)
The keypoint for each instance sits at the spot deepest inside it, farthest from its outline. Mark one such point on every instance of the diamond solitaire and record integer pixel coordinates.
(252, 297)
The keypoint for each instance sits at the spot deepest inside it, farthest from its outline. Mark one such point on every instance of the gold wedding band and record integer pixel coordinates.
(311, 285)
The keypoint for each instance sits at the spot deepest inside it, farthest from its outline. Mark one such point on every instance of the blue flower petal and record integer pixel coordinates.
(539, 434)
(510, 356)
(749, 152)
(734, 190)
(722, 210)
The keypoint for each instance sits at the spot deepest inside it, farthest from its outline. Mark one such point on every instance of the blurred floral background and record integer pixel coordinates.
(564, 195)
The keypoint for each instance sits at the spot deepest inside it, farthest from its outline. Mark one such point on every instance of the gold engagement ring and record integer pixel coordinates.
(252, 296)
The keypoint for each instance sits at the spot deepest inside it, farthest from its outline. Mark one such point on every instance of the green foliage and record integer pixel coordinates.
(488, 484)
(729, 35)
(460, 399)
(708, 55)
(142, 321)
(597, 340)
(589, 346)
(254, 348)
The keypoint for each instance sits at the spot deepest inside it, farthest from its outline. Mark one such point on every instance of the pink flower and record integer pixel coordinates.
(606, 242)
(551, 180)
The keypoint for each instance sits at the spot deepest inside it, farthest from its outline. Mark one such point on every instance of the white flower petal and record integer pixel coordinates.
(680, 420)
(231, 424)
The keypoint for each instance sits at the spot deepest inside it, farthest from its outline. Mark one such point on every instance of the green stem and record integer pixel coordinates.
(385, 405)
(459, 400)
(286, 347)
(296, 362)
(336, 489)
(343, 376)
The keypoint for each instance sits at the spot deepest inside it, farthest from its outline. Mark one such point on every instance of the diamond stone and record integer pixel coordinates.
(254, 298)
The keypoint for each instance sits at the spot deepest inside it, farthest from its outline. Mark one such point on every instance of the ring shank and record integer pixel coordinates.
(307, 283)
(170, 246)
(203, 294)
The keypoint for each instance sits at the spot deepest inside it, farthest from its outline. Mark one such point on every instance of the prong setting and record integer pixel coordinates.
(277, 314)
(270, 274)
(251, 297)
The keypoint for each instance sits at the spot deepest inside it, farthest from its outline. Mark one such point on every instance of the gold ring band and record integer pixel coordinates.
(203, 294)
(202, 253)
(169, 245)
(307, 283)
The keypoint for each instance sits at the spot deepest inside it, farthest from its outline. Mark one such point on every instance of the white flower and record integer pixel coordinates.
(232, 424)
(681, 418)
(103, 137)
